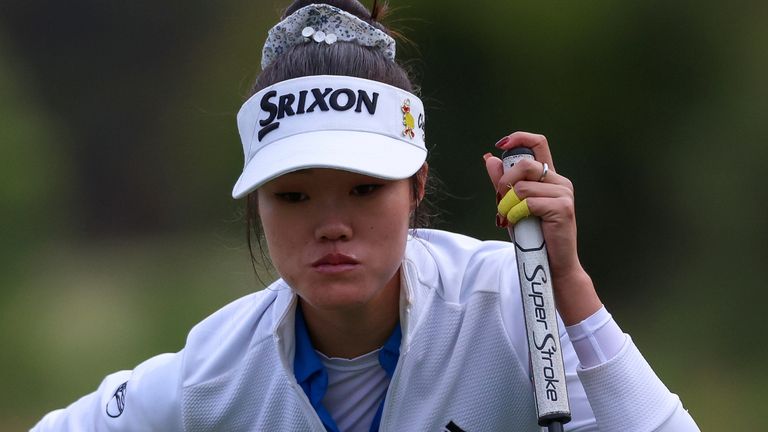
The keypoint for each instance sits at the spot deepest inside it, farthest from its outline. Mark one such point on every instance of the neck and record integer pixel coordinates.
(358, 330)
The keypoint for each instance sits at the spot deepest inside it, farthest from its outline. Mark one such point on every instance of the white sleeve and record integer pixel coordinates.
(620, 392)
(144, 399)
(626, 395)
(596, 339)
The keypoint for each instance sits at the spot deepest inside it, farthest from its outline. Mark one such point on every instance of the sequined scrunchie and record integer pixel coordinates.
(323, 23)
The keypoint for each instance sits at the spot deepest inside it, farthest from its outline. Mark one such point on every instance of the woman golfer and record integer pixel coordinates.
(374, 325)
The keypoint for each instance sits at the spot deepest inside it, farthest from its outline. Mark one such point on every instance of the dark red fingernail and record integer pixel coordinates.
(502, 141)
(501, 221)
(498, 198)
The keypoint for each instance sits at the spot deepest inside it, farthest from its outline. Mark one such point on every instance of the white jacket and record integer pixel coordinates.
(463, 360)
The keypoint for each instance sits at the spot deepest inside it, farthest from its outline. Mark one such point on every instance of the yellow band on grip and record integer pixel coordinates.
(518, 212)
(508, 202)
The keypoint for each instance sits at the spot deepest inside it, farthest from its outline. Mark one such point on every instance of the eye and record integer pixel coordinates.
(365, 189)
(291, 196)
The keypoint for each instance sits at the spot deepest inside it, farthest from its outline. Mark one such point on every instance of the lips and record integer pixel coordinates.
(335, 259)
(335, 263)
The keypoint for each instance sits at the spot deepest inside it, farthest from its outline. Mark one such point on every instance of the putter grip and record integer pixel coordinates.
(541, 325)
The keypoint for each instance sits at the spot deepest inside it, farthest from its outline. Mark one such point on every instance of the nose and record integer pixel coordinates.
(333, 232)
(331, 226)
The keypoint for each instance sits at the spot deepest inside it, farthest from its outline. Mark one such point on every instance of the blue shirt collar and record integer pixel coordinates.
(313, 378)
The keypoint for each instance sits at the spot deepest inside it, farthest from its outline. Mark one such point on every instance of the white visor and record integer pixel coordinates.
(328, 121)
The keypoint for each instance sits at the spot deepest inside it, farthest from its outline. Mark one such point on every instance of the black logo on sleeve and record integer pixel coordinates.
(452, 427)
(116, 405)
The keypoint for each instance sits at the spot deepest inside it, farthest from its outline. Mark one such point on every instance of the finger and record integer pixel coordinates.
(537, 143)
(548, 200)
(510, 200)
(552, 209)
(495, 168)
(519, 212)
(527, 189)
(530, 170)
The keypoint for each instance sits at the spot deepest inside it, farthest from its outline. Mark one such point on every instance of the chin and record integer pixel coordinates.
(338, 298)
(339, 303)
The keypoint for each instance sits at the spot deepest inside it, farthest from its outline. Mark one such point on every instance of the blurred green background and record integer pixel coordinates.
(118, 150)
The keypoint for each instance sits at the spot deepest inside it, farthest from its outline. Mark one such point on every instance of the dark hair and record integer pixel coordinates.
(340, 58)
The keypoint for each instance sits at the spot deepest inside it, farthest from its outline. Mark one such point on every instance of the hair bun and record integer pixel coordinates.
(379, 11)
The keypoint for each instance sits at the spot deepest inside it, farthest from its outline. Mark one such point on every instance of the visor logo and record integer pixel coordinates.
(421, 126)
(308, 101)
(408, 120)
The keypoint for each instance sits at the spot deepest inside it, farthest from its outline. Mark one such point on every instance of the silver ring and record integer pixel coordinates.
(544, 172)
